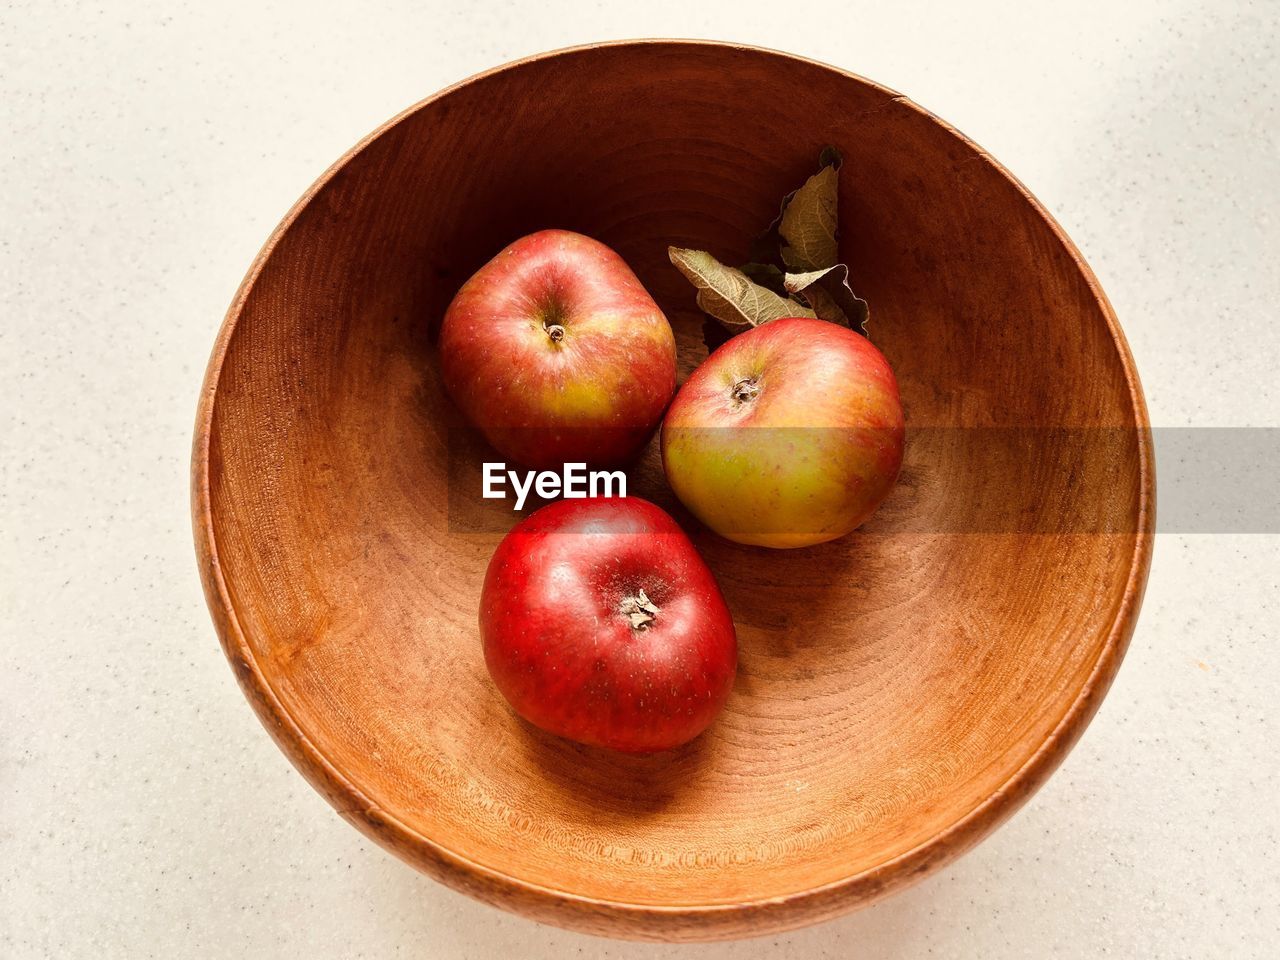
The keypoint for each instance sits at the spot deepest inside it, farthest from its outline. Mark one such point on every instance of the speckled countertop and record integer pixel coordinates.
(147, 149)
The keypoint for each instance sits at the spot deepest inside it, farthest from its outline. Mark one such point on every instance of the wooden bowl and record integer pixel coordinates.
(901, 691)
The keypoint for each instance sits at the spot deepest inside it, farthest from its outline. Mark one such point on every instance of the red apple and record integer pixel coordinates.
(788, 435)
(601, 623)
(557, 353)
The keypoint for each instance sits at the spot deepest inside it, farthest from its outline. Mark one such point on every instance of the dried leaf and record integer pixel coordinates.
(727, 295)
(767, 247)
(828, 293)
(807, 230)
(794, 269)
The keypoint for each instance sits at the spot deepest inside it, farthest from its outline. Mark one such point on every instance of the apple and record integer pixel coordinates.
(557, 354)
(788, 435)
(602, 624)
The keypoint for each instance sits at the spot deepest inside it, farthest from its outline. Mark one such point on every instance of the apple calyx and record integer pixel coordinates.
(744, 390)
(795, 270)
(639, 609)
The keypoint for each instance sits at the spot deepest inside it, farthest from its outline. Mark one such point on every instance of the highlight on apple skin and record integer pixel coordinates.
(790, 434)
(556, 353)
(601, 623)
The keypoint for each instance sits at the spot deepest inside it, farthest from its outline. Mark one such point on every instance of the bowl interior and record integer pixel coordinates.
(891, 682)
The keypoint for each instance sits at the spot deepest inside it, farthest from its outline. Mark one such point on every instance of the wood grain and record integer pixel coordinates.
(901, 691)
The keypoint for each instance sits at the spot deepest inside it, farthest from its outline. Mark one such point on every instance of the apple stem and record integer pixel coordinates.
(554, 331)
(640, 610)
(745, 390)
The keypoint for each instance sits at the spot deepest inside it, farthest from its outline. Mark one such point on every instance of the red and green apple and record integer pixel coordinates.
(602, 624)
(788, 435)
(557, 353)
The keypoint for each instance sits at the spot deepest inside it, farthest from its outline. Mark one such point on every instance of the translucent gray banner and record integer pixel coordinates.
(976, 480)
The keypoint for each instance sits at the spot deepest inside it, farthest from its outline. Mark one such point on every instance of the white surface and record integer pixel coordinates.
(146, 150)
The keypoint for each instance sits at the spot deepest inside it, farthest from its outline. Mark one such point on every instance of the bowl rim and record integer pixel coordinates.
(620, 918)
